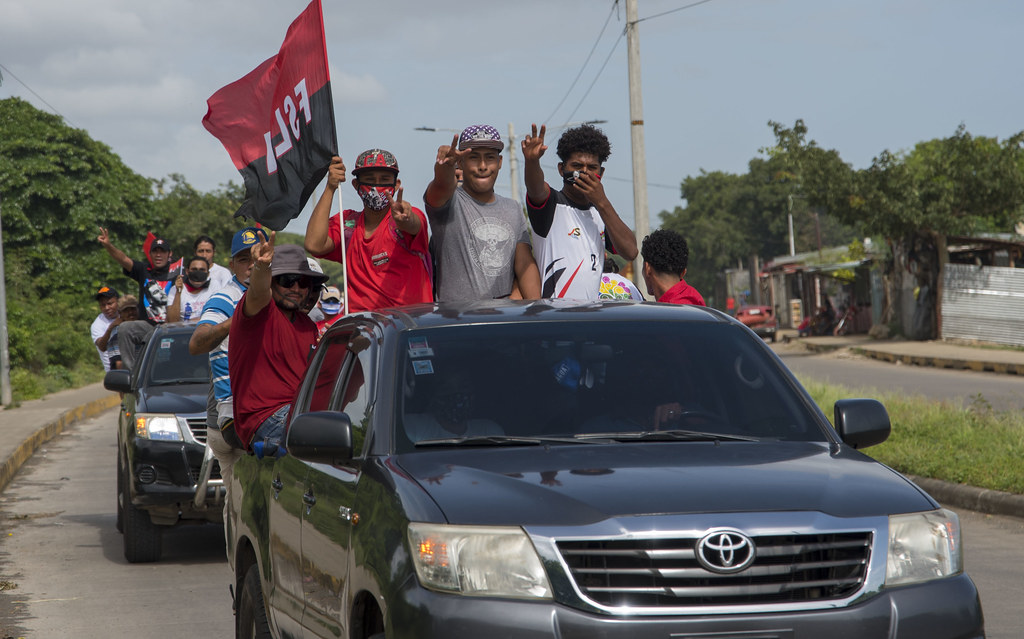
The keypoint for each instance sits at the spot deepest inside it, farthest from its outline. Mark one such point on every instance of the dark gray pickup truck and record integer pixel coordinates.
(581, 470)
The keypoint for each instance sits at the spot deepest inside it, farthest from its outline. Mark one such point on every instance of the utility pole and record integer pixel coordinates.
(792, 245)
(513, 162)
(636, 130)
(5, 355)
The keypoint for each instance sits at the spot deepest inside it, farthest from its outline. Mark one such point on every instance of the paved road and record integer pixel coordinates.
(1002, 392)
(59, 545)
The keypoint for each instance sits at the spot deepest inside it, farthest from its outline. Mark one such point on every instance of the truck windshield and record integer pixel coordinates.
(597, 382)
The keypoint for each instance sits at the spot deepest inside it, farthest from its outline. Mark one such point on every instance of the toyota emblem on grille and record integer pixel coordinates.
(725, 551)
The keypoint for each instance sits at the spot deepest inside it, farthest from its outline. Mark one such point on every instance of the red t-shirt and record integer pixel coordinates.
(386, 269)
(682, 293)
(267, 359)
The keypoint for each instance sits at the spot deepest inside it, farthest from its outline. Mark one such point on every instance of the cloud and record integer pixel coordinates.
(350, 88)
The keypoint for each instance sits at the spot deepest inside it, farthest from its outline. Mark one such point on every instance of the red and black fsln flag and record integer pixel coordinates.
(277, 124)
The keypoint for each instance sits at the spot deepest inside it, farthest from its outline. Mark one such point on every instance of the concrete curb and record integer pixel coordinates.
(31, 444)
(942, 362)
(981, 500)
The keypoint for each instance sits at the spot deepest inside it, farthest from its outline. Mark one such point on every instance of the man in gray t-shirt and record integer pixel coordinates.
(481, 242)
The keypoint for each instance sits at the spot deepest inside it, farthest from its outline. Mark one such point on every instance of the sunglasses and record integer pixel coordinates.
(289, 280)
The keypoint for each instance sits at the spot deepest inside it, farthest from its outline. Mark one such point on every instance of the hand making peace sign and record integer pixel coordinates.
(533, 144)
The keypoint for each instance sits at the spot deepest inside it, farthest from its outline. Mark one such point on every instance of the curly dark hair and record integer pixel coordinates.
(585, 138)
(666, 251)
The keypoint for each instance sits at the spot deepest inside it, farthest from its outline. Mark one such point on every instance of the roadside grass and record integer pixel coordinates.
(970, 444)
(26, 385)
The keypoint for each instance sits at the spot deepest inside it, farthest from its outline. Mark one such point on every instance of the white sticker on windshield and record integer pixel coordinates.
(418, 347)
(423, 367)
(166, 343)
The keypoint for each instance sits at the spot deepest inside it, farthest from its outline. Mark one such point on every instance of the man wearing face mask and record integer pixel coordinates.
(190, 292)
(573, 227)
(386, 259)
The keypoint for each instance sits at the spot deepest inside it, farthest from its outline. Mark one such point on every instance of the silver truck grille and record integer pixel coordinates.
(198, 427)
(661, 573)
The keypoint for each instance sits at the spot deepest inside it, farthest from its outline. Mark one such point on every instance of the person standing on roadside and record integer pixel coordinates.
(573, 227)
(204, 246)
(387, 257)
(211, 336)
(666, 257)
(271, 340)
(103, 325)
(481, 240)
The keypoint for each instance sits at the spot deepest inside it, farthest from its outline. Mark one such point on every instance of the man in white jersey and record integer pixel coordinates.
(573, 227)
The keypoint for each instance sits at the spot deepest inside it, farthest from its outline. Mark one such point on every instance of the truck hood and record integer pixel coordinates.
(582, 484)
(180, 399)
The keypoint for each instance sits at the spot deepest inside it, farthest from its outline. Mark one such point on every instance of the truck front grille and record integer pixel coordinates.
(198, 427)
(659, 573)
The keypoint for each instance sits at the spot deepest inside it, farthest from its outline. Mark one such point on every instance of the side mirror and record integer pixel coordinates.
(862, 422)
(119, 380)
(323, 437)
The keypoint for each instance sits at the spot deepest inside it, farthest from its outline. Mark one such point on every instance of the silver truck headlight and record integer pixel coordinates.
(485, 561)
(923, 547)
(156, 426)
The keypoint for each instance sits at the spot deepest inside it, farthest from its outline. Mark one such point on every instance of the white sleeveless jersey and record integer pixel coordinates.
(571, 255)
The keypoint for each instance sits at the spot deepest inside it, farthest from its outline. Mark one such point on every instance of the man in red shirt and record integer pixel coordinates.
(387, 259)
(666, 256)
(271, 339)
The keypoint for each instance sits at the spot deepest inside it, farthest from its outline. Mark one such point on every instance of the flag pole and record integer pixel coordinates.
(341, 204)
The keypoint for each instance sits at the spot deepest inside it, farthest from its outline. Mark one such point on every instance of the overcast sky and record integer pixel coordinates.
(865, 75)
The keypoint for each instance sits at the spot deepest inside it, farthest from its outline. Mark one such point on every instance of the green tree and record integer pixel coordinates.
(953, 186)
(57, 186)
(183, 213)
(730, 220)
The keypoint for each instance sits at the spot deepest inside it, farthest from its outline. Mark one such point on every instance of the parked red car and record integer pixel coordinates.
(760, 319)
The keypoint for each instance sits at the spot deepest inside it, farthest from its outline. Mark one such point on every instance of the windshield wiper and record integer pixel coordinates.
(668, 435)
(497, 440)
(177, 382)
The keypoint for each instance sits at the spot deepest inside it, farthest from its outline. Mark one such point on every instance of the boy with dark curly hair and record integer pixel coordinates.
(572, 228)
(666, 256)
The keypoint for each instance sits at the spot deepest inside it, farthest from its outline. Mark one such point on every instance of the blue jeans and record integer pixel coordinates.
(271, 431)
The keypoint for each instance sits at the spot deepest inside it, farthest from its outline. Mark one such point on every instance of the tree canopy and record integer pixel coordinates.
(951, 186)
(58, 186)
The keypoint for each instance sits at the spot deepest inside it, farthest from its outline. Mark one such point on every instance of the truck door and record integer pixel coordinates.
(327, 527)
(287, 481)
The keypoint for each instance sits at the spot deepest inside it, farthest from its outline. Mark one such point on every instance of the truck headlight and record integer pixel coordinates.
(486, 561)
(923, 547)
(156, 426)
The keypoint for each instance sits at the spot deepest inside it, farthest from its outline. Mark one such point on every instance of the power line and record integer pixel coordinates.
(665, 13)
(598, 76)
(585, 62)
(52, 108)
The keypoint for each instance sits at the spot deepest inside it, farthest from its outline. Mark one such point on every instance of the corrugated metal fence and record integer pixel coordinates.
(984, 303)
